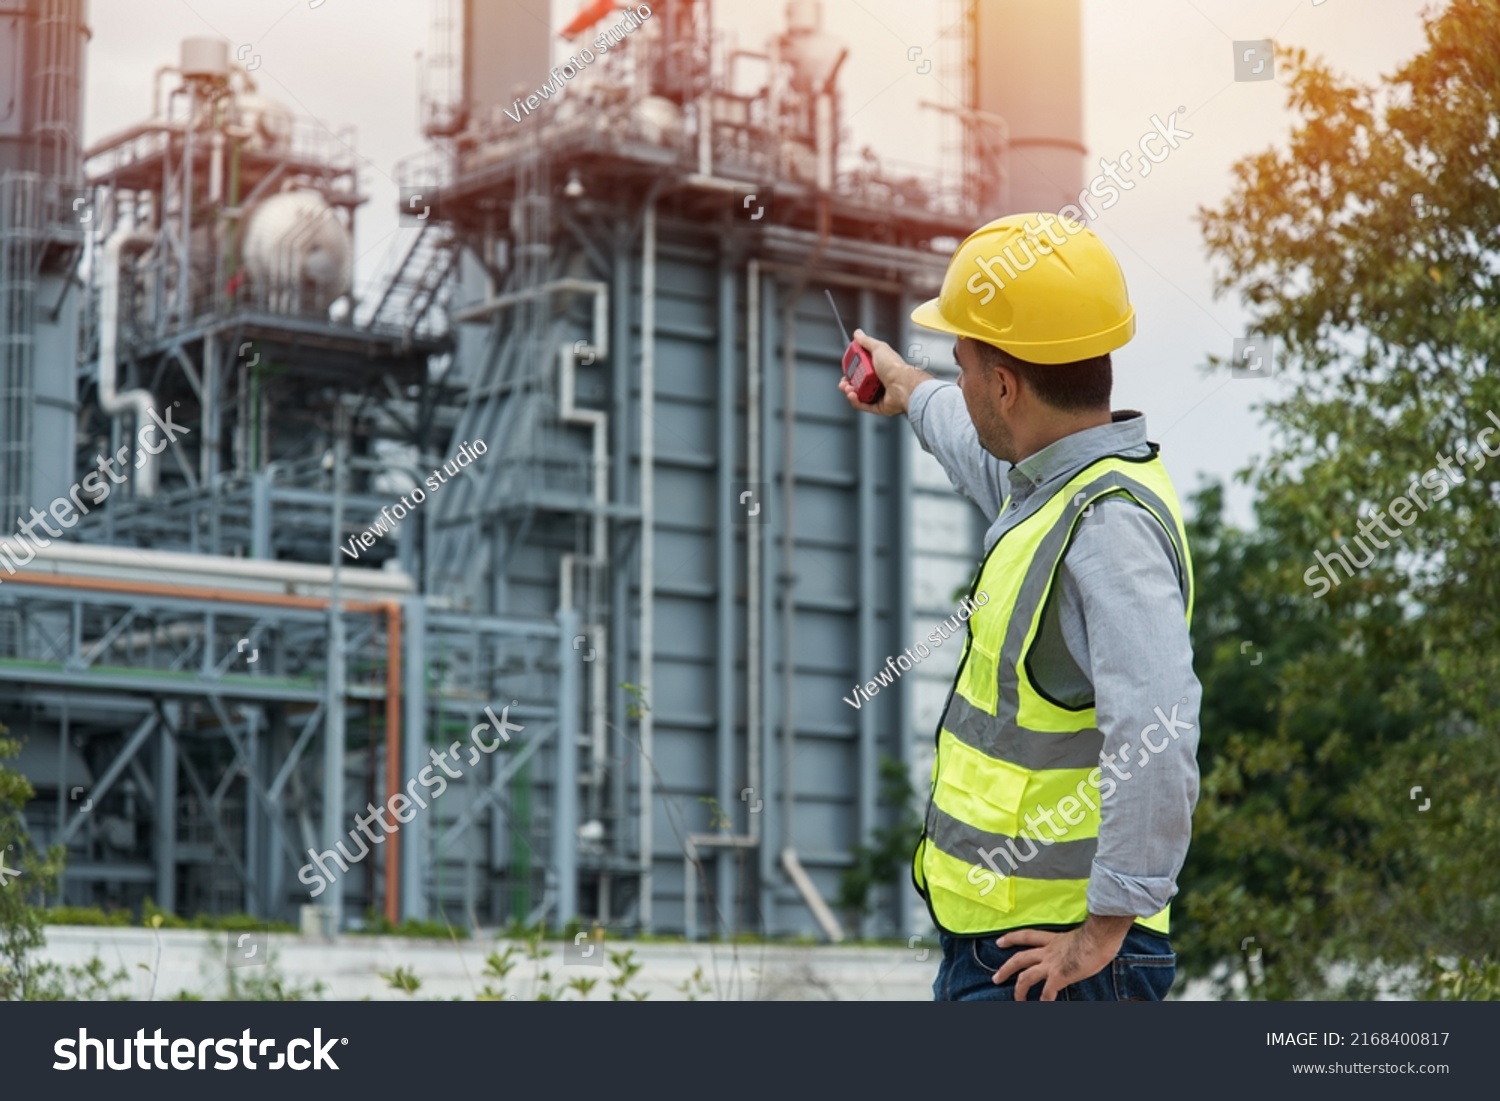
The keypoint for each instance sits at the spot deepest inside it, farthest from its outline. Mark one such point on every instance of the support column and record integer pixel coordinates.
(900, 512)
(565, 786)
(414, 752)
(260, 514)
(164, 841)
(617, 653)
(275, 746)
(257, 851)
(869, 473)
(646, 722)
(334, 829)
(763, 302)
(726, 888)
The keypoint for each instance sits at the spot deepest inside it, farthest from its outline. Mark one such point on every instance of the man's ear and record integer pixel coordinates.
(1007, 385)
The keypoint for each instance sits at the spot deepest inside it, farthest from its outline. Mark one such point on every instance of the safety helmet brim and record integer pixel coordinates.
(929, 315)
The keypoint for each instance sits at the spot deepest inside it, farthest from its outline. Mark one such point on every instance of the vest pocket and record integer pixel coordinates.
(983, 792)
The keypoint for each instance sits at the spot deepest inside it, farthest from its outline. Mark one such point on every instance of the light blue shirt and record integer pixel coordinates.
(1118, 635)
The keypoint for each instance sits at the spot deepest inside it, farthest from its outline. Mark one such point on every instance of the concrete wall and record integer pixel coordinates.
(197, 962)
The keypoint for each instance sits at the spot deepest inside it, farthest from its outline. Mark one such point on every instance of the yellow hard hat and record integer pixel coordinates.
(1044, 288)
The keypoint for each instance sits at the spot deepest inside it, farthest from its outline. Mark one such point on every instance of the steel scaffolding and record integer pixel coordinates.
(620, 298)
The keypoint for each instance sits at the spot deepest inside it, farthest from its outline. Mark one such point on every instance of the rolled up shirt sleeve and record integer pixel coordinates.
(1120, 576)
(940, 419)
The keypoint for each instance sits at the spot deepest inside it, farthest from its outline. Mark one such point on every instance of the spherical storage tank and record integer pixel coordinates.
(297, 253)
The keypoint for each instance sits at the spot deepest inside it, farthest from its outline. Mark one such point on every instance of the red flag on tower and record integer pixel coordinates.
(587, 18)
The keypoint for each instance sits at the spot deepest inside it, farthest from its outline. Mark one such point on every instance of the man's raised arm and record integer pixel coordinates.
(937, 414)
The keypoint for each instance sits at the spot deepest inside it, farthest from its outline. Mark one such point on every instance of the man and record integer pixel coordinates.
(1065, 773)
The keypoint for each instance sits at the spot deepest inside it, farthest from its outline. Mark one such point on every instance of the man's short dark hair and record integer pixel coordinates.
(1074, 387)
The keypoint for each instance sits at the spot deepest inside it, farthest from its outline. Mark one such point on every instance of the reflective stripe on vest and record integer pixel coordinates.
(1013, 820)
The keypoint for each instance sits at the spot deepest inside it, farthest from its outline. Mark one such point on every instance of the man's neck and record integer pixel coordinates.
(1049, 431)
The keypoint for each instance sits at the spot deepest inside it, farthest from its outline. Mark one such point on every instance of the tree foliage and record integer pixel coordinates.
(887, 859)
(21, 977)
(1370, 249)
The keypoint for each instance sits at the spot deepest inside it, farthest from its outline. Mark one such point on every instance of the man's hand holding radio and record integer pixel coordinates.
(897, 376)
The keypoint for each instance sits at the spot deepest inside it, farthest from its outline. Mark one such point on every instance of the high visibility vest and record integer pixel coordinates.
(1007, 751)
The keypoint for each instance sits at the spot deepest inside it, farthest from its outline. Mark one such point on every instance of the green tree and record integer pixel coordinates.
(1367, 248)
(20, 898)
(887, 859)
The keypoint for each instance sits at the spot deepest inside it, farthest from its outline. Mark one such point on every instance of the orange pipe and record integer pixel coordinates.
(152, 588)
(392, 610)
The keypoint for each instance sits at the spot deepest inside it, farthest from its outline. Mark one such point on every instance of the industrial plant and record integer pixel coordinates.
(566, 512)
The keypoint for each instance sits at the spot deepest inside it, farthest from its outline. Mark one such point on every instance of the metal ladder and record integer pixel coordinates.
(411, 295)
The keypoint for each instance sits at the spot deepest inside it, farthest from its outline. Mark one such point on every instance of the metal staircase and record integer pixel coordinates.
(508, 399)
(411, 299)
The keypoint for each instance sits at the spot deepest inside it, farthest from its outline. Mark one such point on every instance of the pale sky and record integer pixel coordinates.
(354, 62)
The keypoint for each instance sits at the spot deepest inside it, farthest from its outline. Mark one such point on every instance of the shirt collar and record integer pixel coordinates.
(1125, 432)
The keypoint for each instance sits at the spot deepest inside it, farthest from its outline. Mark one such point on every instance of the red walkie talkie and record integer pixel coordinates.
(859, 369)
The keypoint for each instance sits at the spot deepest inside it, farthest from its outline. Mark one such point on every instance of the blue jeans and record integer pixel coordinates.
(1142, 972)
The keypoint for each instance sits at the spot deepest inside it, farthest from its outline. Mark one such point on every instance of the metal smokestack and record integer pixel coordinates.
(506, 51)
(1028, 68)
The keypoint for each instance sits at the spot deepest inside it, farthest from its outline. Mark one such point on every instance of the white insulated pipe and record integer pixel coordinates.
(825, 137)
(111, 400)
(247, 575)
(216, 167)
(809, 892)
(161, 71)
(481, 310)
(753, 642)
(598, 423)
(648, 546)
